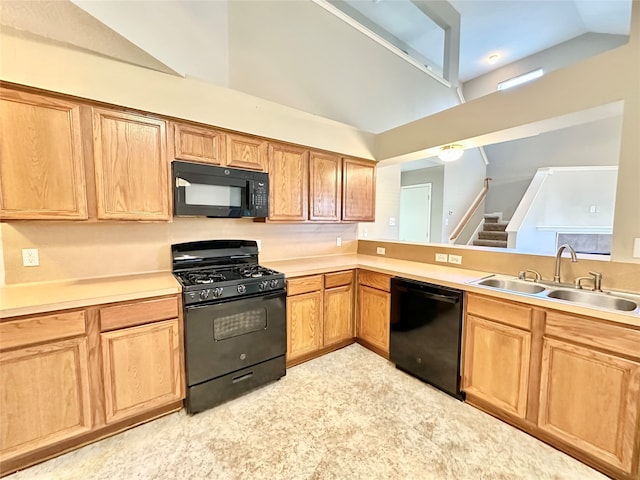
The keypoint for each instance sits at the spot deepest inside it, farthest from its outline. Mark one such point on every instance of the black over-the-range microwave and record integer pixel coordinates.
(212, 191)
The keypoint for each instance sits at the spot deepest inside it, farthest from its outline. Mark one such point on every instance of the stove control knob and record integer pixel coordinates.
(274, 283)
(264, 284)
(242, 288)
(204, 294)
(217, 292)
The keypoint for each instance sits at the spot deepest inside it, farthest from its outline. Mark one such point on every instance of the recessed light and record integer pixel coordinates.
(493, 58)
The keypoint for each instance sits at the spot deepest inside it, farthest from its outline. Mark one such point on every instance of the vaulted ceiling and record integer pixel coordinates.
(298, 54)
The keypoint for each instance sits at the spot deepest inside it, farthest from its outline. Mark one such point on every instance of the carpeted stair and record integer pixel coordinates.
(493, 232)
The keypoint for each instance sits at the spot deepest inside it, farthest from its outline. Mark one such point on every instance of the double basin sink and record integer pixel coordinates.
(608, 301)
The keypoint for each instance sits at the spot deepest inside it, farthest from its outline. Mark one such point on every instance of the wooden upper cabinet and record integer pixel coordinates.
(325, 186)
(288, 183)
(358, 190)
(131, 166)
(246, 152)
(198, 144)
(41, 161)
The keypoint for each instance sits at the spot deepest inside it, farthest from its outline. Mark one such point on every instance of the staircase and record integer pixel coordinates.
(493, 232)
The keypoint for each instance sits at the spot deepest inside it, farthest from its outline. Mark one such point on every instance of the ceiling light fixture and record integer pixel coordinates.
(451, 153)
(527, 77)
(493, 58)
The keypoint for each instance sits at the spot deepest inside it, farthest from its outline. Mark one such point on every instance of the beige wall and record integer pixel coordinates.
(70, 250)
(623, 277)
(605, 78)
(29, 62)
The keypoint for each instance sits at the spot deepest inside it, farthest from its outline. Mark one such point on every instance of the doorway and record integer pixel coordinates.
(415, 213)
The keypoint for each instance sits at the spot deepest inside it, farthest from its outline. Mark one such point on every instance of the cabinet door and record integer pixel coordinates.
(246, 152)
(288, 183)
(358, 190)
(198, 144)
(373, 316)
(304, 324)
(44, 397)
(496, 364)
(131, 166)
(325, 187)
(590, 400)
(141, 367)
(338, 314)
(41, 162)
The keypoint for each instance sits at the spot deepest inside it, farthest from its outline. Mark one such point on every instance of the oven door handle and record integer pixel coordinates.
(243, 377)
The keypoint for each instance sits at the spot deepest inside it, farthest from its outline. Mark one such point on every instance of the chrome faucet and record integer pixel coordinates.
(574, 259)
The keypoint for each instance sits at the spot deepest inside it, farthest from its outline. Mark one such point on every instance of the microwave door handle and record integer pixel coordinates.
(251, 198)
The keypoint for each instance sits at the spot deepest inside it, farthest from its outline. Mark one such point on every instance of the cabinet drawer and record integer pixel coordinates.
(311, 283)
(501, 311)
(338, 279)
(374, 280)
(28, 331)
(130, 314)
(600, 335)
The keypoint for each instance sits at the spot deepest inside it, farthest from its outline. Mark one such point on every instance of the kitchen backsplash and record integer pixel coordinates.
(70, 250)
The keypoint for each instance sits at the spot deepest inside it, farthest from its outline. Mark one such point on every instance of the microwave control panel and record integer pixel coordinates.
(261, 199)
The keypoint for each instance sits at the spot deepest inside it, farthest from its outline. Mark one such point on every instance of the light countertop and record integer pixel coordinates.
(440, 274)
(29, 298)
(25, 299)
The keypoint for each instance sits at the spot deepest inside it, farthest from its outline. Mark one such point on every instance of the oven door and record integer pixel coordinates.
(224, 337)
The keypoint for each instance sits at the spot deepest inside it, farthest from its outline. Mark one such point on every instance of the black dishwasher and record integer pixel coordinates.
(426, 331)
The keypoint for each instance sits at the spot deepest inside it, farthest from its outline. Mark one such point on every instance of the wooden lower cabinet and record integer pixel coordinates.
(570, 380)
(319, 315)
(590, 399)
(496, 364)
(45, 396)
(374, 311)
(338, 314)
(304, 324)
(65, 383)
(141, 368)
(373, 317)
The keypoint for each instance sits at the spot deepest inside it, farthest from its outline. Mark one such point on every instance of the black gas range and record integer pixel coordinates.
(235, 320)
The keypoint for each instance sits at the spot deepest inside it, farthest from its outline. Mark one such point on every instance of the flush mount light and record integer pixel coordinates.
(493, 58)
(527, 77)
(451, 153)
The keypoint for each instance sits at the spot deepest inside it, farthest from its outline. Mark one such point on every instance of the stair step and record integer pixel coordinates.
(492, 217)
(493, 235)
(495, 227)
(491, 243)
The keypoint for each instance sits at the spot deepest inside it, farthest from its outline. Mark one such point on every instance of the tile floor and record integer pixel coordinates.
(347, 415)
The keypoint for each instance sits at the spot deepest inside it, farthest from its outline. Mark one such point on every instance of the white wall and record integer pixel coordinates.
(513, 164)
(563, 205)
(298, 54)
(463, 180)
(567, 53)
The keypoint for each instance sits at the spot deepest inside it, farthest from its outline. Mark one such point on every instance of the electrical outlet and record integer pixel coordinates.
(392, 221)
(441, 257)
(30, 257)
(365, 232)
(380, 250)
(457, 259)
(338, 241)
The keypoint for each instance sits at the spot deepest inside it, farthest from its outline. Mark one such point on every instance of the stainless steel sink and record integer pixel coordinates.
(513, 285)
(594, 299)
